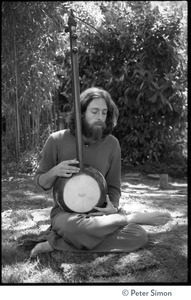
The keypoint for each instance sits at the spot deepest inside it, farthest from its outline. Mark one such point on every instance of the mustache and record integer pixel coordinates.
(100, 123)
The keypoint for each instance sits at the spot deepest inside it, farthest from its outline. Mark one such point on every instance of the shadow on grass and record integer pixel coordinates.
(13, 250)
(151, 187)
(154, 263)
(170, 249)
(147, 195)
(157, 262)
(21, 193)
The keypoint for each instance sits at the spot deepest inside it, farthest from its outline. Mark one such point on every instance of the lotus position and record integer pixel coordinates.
(105, 229)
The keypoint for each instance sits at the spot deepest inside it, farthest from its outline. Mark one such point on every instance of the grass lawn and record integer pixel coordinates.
(25, 211)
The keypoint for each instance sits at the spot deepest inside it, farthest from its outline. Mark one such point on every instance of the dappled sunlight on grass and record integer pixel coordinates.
(29, 194)
(41, 214)
(179, 185)
(26, 212)
(129, 206)
(11, 219)
(26, 202)
(21, 272)
(147, 196)
(46, 275)
(138, 186)
(183, 250)
(144, 182)
(22, 219)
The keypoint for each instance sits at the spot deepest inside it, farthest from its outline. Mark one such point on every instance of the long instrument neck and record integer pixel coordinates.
(76, 88)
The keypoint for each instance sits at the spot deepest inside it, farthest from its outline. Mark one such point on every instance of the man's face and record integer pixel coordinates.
(96, 112)
(94, 119)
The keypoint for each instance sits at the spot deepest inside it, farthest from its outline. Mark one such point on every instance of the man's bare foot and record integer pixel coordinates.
(41, 248)
(155, 218)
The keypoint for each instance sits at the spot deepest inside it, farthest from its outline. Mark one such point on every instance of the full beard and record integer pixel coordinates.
(93, 133)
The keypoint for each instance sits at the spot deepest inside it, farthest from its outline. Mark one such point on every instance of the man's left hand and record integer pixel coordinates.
(108, 210)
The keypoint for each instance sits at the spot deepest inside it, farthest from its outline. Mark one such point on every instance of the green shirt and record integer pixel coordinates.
(104, 156)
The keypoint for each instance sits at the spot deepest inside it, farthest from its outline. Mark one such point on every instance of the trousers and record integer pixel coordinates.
(107, 233)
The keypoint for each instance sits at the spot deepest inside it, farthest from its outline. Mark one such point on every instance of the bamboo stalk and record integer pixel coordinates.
(33, 129)
(16, 99)
(38, 127)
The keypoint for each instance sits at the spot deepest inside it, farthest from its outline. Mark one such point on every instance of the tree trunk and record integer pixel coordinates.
(33, 127)
(38, 126)
(54, 114)
(16, 100)
(57, 110)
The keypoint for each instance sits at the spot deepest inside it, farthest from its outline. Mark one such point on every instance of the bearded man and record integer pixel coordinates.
(107, 229)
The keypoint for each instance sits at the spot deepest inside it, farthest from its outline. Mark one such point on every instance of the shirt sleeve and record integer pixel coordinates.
(48, 160)
(113, 176)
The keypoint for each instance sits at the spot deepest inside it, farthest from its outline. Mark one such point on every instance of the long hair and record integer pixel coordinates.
(85, 98)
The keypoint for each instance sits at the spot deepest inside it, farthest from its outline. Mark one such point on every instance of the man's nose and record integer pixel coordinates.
(99, 116)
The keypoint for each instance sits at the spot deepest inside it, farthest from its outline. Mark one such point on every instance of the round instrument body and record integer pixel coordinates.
(81, 192)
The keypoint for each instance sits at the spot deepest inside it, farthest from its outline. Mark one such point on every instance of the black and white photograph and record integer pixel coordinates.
(94, 132)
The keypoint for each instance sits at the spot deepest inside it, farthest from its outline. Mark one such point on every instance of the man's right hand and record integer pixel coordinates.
(66, 168)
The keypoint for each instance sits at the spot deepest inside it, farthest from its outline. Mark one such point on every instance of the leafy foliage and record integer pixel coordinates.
(134, 49)
(137, 56)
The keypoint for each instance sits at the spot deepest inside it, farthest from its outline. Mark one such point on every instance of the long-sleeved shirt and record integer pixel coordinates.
(104, 156)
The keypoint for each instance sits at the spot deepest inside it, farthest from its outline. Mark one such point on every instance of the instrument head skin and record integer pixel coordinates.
(81, 192)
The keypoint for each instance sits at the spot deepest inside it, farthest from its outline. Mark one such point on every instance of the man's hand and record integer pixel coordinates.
(108, 210)
(66, 168)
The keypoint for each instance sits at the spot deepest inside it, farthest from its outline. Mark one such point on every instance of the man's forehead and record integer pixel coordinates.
(98, 103)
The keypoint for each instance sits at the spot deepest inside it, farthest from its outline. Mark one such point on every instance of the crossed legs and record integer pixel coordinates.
(103, 231)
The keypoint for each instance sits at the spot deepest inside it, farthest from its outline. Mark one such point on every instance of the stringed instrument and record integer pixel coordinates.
(86, 189)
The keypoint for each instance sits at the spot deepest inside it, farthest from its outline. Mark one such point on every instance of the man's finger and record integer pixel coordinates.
(99, 209)
(96, 214)
(73, 161)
